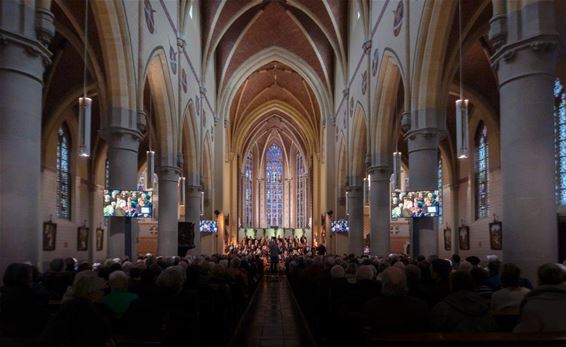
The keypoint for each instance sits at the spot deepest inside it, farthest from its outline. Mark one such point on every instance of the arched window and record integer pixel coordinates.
(440, 183)
(560, 141)
(481, 172)
(248, 191)
(274, 185)
(63, 174)
(301, 192)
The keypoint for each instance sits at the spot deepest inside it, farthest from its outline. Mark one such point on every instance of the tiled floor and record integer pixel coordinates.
(273, 319)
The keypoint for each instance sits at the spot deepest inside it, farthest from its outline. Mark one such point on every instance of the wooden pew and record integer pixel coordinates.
(466, 339)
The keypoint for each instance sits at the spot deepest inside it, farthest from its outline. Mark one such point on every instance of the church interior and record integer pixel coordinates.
(319, 172)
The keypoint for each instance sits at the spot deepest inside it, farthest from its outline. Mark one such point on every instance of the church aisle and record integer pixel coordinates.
(274, 319)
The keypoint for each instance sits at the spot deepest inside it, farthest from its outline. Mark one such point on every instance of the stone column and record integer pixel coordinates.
(525, 63)
(380, 211)
(356, 219)
(167, 237)
(423, 158)
(192, 214)
(123, 144)
(25, 32)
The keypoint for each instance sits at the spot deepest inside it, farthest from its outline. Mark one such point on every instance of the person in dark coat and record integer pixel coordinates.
(464, 310)
(544, 308)
(394, 310)
(22, 311)
(274, 252)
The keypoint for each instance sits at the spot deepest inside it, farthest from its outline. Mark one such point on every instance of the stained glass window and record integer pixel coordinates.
(274, 185)
(560, 141)
(440, 183)
(301, 192)
(481, 172)
(63, 174)
(248, 191)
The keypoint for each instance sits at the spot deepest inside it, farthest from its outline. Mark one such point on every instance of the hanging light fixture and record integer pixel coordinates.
(397, 171)
(201, 203)
(182, 185)
(461, 103)
(85, 103)
(347, 205)
(150, 153)
(150, 169)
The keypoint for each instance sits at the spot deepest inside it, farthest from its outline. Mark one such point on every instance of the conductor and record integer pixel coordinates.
(273, 255)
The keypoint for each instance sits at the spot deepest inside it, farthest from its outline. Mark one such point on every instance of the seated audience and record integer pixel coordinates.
(508, 299)
(394, 310)
(493, 266)
(119, 298)
(463, 310)
(544, 308)
(82, 319)
(480, 277)
(22, 311)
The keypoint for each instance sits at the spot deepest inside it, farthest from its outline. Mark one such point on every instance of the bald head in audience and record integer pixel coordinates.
(393, 281)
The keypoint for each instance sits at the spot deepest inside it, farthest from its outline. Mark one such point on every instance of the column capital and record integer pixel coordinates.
(351, 188)
(379, 173)
(31, 46)
(121, 137)
(539, 44)
(168, 173)
(195, 187)
(354, 192)
(426, 133)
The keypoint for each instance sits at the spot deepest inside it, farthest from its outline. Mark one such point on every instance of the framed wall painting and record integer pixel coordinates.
(99, 239)
(49, 236)
(447, 239)
(82, 238)
(464, 237)
(496, 235)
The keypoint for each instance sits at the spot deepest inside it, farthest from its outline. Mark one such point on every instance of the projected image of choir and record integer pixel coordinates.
(124, 203)
(415, 204)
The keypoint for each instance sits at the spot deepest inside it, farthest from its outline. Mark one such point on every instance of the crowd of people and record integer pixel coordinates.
(264, 248)
(346, 298)
(166, 299)
(343, 298)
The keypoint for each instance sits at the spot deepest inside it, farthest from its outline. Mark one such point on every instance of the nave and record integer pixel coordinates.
(273, 318)
(151, 149)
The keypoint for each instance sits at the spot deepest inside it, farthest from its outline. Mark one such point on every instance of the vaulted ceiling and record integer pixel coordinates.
(273, 94)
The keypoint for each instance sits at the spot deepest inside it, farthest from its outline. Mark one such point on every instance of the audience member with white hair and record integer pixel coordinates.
(119, 298)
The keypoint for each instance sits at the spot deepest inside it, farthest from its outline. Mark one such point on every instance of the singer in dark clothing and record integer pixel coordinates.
(274, 255)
